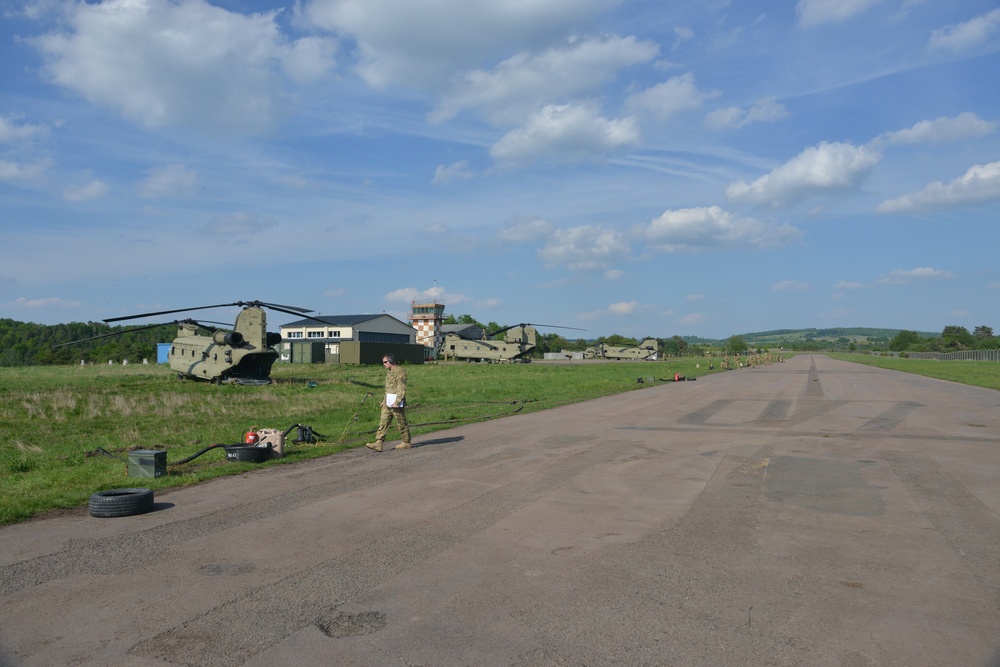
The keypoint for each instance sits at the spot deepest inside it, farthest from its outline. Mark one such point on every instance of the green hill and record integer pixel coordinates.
(776, 337)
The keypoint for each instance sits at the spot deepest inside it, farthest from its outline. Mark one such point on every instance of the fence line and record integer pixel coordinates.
(964, 355)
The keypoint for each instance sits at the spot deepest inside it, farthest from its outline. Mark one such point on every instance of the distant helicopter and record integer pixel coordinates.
(647, 350)
(513, 348)
(243, 355)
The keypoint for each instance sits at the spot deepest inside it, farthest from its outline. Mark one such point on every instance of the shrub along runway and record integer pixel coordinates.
(812, 512)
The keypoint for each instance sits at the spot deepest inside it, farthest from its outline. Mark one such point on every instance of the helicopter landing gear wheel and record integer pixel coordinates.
(180, 376)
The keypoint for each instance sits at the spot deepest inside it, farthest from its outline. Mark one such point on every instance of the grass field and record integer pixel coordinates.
(65, 432)
(976, 373)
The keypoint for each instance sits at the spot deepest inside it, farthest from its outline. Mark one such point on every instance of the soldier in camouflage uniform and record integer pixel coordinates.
(395, 384)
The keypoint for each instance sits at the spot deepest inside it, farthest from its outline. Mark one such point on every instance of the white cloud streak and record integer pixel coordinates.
(981, 183)
(813, 13)
(821, 169)
(768, 110)
(942, 130)
(673, 96)
(967, 36)
(565, 133)
(188, 63)
(703, 228)
(525, 82)
(905, 276)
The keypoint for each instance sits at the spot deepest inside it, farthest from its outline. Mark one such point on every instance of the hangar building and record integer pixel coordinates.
(349, 339)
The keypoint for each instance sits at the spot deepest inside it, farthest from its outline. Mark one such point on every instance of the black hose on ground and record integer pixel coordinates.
(194, 456)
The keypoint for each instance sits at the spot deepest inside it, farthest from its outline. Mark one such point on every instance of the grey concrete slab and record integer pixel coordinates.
(814, 512)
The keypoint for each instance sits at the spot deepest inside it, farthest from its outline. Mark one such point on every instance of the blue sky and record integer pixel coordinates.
(642, 168)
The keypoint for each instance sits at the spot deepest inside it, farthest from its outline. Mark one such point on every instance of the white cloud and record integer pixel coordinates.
(565, 133)
(703, 228)
(41, 304)
(670, 97)
(846, 284)
(435, 229)
(409, 295)
(622, 307)
(790, 286)
(456, 171)
(526, 229)
(692, 319)
(310, 60)
(817, 12)
(585, 248)
(187, 63)
(23, 171)
(942, 130)
(524, 82)
(423, 44)
(967, 36)
(14, 132)
(827, 167)
(93, 190)
(903, 276)
(981, 183)
(615, 309)
(682, 34)
(171, 181)
(765, 111)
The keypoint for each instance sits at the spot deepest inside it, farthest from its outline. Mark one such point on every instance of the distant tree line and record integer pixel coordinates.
(953, 339)
(30, 344)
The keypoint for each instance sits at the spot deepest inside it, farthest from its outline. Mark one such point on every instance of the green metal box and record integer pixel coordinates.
(147, 463)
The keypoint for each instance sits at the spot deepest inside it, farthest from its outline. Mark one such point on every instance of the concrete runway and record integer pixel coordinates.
(814, 512)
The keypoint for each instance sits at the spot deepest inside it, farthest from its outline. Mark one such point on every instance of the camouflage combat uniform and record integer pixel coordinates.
(395, 383)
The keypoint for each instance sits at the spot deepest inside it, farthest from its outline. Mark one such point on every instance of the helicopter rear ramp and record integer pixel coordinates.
(814, 512)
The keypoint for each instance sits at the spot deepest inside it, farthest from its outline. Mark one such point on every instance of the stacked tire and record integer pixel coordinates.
(120, 502)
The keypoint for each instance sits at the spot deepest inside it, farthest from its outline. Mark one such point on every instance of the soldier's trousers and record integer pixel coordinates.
(386, 418)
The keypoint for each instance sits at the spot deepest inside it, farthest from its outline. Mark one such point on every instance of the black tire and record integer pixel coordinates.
(121, 502)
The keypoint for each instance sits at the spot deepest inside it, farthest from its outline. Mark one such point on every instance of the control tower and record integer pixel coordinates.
(426, 319)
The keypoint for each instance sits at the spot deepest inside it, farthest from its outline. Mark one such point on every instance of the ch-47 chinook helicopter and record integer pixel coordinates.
(513, 348)
(647, 350)
(242, 355)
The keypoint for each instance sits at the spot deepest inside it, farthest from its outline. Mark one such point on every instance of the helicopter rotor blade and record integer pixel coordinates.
(115, 333)
(167, 312)
(529, 324)
(282, 309)
(291, 310)
(278, 306)
(556, 326)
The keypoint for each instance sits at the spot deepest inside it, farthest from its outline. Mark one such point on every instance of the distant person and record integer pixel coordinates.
(393, 406)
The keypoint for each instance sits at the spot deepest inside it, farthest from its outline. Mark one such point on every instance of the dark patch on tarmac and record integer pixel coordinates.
(823, 485)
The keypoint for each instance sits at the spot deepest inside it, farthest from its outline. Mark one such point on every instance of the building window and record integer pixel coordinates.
(294, 334)
(334, 334)
(317, 334)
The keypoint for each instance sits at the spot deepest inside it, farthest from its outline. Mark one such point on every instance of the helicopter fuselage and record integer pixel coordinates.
(514, 347)
(244, 355)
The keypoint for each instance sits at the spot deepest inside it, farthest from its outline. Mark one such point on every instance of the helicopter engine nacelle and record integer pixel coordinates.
(273, 339)
(233, 338)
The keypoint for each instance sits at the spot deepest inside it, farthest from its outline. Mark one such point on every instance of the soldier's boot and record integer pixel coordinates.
(406, 444)
(377, 445)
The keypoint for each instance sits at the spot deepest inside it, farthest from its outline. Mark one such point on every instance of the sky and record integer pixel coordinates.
(635, 167)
